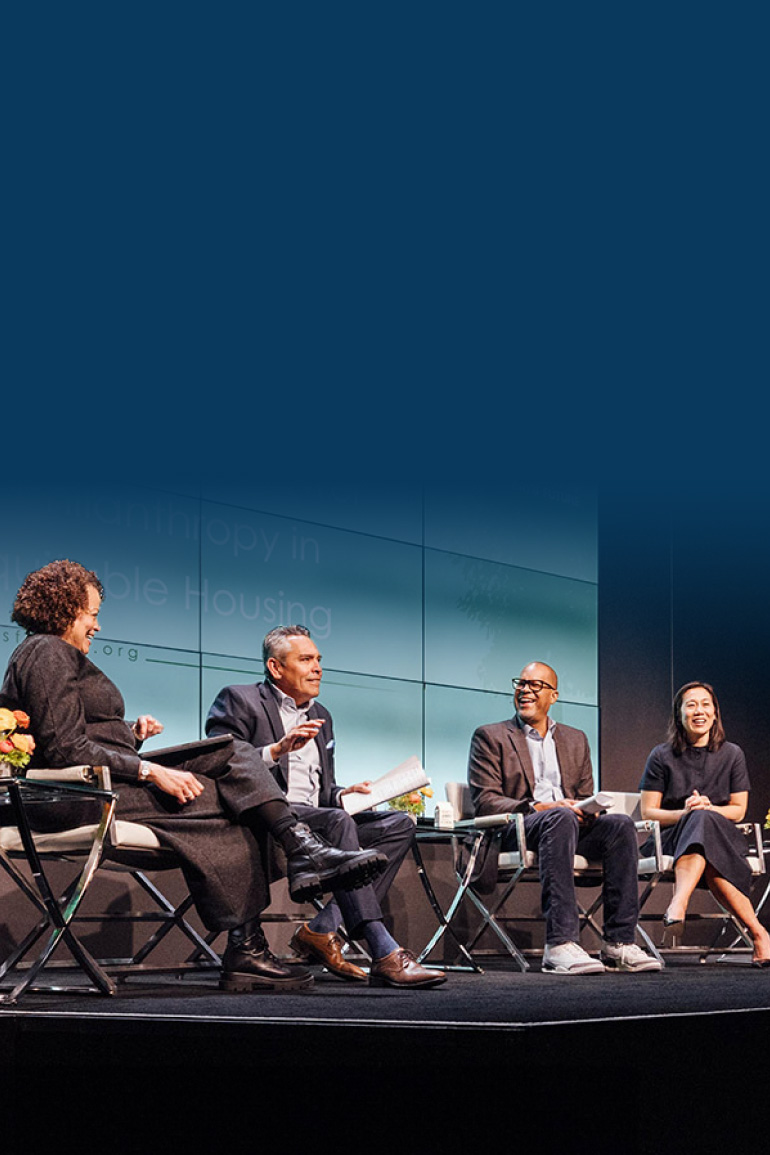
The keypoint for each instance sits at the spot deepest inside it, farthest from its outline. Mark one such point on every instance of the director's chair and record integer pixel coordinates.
(108, 844)
(520, 866)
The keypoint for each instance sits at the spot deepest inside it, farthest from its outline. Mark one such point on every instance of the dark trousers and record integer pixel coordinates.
(556, 837)
(391, 833)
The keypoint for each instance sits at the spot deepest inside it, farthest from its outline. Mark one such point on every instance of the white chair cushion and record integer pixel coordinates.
(126, 835)
(134, 836)
(511, 860)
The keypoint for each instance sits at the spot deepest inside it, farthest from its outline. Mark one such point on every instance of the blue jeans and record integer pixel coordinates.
(556, 836)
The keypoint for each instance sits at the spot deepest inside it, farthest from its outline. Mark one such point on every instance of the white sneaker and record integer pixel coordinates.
(570, 959)
(625, 956)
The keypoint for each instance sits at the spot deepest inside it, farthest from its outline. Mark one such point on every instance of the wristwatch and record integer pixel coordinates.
(144, 771)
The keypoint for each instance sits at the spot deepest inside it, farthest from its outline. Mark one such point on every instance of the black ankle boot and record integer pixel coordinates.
(315, 868)
(248, 964)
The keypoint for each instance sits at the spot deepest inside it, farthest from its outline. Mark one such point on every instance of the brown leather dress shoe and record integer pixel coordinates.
(325, 949)
(401, 969)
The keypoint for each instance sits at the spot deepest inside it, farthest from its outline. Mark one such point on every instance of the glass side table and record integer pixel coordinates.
(427, 833)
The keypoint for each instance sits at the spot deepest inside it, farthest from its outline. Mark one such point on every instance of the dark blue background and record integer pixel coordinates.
(396, 235)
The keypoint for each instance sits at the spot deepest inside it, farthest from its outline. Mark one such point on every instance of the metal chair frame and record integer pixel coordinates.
(57, 914)
(520, 865)
(98, 847)
(726, 921)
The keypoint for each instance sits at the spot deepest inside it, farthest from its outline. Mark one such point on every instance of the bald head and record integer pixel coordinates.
(540, 672)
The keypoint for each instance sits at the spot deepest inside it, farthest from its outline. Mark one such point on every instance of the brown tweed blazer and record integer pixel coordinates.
(500, 772)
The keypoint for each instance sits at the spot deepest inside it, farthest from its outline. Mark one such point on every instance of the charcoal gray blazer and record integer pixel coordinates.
(251, 714)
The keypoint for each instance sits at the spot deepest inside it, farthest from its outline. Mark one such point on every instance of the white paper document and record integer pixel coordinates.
(410, 775)
(596, 804)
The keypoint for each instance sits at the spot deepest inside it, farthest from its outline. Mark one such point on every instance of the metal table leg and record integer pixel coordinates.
(445, 919)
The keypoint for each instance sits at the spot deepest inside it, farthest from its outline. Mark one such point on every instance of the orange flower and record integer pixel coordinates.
(5, 746)
(23, 742)
(8, 721)
(22, 719)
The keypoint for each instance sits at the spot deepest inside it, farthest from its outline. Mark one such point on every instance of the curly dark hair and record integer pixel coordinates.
(51, 598)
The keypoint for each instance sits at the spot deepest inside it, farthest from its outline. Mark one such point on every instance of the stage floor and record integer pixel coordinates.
(602, 1063)
(500, 998)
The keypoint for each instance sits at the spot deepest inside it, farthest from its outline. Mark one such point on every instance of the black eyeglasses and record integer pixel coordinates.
(534, 684)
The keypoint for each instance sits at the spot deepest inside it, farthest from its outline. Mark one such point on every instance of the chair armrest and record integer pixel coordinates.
(87, 774)
(98, 776)
(753, 832)
(652, 826)
(485, 820)
(492, 822)
(92, 781)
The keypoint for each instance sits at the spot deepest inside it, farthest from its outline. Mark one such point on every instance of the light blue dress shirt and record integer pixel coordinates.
(304, 783)
(545, 763)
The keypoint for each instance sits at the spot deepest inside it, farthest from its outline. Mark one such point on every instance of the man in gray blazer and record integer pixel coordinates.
(294, 737)
(534, 765)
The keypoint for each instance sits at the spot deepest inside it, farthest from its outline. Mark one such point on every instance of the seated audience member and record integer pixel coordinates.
(696, 785)
(293, 736)
(211, 803)
(533, 765)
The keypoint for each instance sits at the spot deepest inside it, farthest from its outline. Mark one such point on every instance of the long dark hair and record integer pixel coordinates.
(676, 731)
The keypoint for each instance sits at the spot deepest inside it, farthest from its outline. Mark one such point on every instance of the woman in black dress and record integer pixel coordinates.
(211, 803)
(697, 786)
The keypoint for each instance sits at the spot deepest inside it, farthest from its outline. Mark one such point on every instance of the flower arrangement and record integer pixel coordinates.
(15, 748)
(413, 802)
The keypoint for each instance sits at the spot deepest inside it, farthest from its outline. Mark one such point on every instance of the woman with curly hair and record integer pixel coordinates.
(212, 801)
(697, 786)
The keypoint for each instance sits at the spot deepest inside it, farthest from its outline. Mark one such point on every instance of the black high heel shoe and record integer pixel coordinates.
(672, 926)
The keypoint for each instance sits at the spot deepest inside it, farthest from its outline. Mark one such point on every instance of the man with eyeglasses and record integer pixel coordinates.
(532, 764)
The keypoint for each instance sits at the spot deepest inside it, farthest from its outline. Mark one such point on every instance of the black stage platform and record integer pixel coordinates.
(599, 1063)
